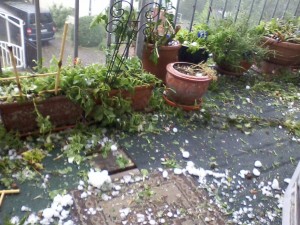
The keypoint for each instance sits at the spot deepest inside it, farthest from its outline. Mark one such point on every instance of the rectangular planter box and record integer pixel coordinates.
(21, 117)
(291, 203)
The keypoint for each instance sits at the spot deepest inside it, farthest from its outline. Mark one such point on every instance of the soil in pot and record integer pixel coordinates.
(167, 54)
(200, 56)
(186, 83)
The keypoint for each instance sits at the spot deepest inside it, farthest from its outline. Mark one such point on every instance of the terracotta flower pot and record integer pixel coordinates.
(283, 53)
(21, 117)
(185, 89)
(167, 54)
(140, 97)
(229, 70)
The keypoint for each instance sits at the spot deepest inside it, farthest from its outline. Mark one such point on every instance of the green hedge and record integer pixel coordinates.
(60, 14)
(89, 37)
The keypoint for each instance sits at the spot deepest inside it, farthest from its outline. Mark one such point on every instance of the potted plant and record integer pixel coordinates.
(193, 43)
(282, 38)
(235, 46)
(105, 97)
(186, 84)
(160, 47)
(33, 102)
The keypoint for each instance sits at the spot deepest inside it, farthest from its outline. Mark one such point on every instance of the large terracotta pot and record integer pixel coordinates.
(21, 117)
(229, 70)
(283, 53)
(185, 89)
(139, 98)
(167, 54)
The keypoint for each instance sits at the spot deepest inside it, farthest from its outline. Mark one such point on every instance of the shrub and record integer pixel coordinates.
(89, 37)
(60, 14)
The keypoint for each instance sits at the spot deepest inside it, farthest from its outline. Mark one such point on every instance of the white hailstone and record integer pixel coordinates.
(207, 219)
(81, 182)
(243, 173)
(69, 222)
(152, 222)
(175, 130)
(25, 209)
(169, 214)
(258, 164)
(115, 193)
(275, 185)
(177, 171)
(185, 154)
(117, 187)
(248, 100)
(83, 195)
(15, 220)
(287, 180)
(64, 214)
(280, 127)
(165, 174)
(199, 74)
(250, 215)
(190, 164)
(48, 213)
(67, 200)
(247, 87)
(127, 178)
(114, 148)
(80, 188)
(124, 212)
(32, 219)
(256, 172)
(97, 179)
(140, 218)
(162, 220)
(105, 197)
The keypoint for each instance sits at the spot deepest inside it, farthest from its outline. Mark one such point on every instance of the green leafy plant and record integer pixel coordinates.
(281, 29)
(34, 158)
(44, 123)
(60, 14)
(194, 40)
(122, 161)
(90, 36)
(160, 31)
(233, 42)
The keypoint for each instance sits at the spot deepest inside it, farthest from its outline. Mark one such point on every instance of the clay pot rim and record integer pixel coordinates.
(272, 41)
(176, 73)
(165, 48)
(184, 107)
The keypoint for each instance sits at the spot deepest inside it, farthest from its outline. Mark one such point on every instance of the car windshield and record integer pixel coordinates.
(45, 18)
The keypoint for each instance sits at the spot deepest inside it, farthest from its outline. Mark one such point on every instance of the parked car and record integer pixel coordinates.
(26, 12)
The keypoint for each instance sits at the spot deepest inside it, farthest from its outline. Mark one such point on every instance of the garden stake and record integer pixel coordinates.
(4, 192)
(61, 57)
(12, 58)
